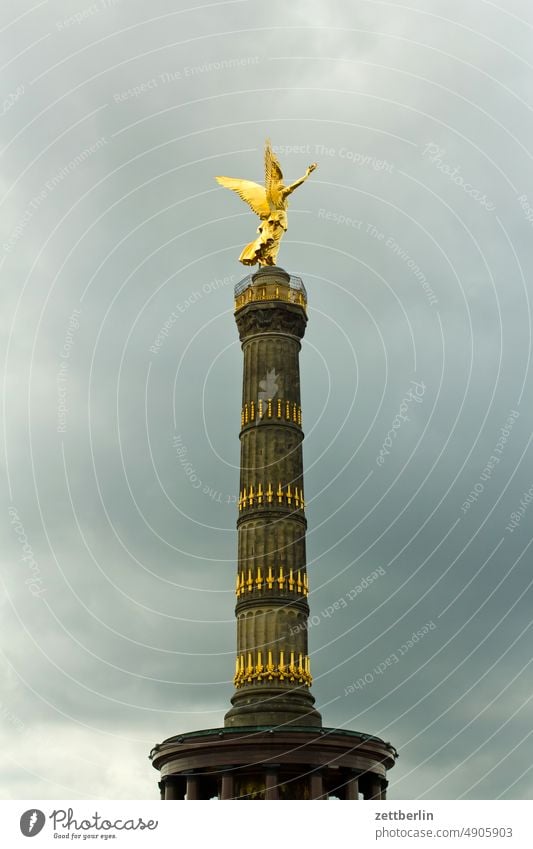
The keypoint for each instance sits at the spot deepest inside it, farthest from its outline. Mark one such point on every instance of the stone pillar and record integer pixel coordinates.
(384, 785)
(227, 786)
(374, 786)
(271, 784)
(174, 787)
(193, 788)
(316, 786)
(272, 672)
(352, 788)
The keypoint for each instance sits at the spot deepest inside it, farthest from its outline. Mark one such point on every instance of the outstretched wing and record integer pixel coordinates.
(254, 194)
(273, 172)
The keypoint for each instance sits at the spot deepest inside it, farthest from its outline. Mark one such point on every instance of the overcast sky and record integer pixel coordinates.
(118, 256)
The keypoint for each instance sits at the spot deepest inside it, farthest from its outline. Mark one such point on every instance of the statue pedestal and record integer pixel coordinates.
(273, 763)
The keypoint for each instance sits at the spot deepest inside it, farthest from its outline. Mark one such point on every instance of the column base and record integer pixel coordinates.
(274, 763)
(273, 706)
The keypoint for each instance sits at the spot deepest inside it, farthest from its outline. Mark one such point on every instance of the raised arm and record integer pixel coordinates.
(289, 189)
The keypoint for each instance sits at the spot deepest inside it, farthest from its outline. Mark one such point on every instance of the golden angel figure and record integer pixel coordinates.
(270, 203)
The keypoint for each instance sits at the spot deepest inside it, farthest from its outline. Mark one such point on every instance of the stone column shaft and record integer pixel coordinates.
(272, 670)
(193, 789)
(227, 790)
(271, 784)
(316, 786)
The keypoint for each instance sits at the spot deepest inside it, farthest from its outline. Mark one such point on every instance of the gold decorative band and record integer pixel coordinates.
(270, 292)
(266, 495)
(284, 581)
(248, 672)
(271, 408)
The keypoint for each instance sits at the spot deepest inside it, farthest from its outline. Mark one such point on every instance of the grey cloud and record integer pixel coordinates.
(137, 229)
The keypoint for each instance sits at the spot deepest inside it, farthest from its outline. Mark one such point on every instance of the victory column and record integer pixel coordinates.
(273, 744)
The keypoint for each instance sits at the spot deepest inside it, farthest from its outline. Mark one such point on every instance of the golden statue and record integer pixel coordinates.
(270, 203)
